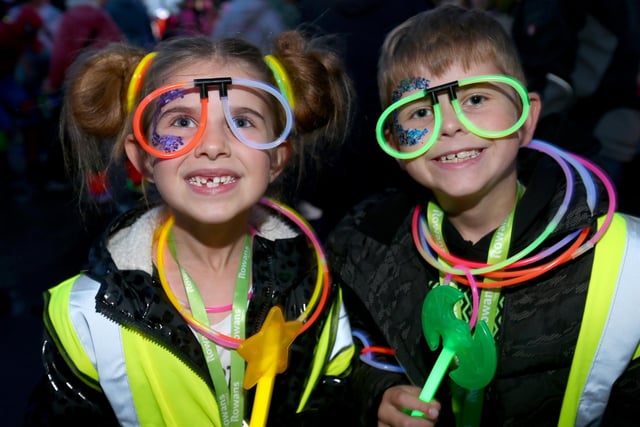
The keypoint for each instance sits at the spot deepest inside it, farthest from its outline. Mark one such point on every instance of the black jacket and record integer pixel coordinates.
(386, 280)
(284, 272)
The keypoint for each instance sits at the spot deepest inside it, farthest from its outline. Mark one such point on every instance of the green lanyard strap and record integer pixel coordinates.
(467, 404)
(230, 397)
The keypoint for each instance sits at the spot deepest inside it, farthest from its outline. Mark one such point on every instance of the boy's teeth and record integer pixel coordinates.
(211, 182)
(458, 157)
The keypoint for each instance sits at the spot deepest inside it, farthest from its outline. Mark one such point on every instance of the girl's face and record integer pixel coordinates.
(462, 168)
(221, 178)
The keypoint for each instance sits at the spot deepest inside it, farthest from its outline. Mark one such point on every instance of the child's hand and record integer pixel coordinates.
(398, 402)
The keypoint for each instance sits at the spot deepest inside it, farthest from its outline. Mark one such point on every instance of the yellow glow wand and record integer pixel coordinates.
(267, 354)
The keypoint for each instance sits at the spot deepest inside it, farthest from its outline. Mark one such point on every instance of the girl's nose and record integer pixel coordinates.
(215, 141)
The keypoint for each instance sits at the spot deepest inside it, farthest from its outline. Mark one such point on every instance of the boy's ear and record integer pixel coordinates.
(279, 157)
(391, 140)
(388, 136)
(139, 158)
(528, 128)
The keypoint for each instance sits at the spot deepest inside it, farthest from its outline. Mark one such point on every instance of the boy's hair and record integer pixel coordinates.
(434, 40)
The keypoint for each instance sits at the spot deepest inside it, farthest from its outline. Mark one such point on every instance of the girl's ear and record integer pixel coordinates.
(528, 128)
(279, 157)
(139, 158)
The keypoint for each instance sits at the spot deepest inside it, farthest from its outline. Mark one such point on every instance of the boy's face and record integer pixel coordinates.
(462, 167)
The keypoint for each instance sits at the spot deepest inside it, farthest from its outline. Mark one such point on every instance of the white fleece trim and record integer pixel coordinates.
(131, 248)
(271, 226)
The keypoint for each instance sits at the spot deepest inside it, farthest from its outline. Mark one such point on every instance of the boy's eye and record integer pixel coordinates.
(413, 112)
(475, 100)
(422, 112)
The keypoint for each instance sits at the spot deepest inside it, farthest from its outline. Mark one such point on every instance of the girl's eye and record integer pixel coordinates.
(184, 122)
(242, 122)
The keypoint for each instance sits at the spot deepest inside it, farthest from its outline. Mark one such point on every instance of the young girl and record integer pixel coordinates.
(215, 290)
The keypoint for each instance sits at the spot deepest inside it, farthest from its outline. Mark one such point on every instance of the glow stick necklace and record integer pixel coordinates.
(313, 310)
(426, 242)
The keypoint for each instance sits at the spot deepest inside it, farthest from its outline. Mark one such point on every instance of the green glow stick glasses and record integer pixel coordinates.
(491, 106)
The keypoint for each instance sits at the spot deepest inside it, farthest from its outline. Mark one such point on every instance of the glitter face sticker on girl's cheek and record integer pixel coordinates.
(166, 143)
(408, 137)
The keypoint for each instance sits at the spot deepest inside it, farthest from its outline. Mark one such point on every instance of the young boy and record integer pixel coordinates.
(510, 229)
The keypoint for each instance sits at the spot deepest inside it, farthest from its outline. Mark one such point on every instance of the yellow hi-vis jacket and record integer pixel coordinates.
(145, 383)
(610, 332)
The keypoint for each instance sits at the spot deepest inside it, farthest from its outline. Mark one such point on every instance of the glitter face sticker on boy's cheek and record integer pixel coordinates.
(408, 137)
(406, 85)
(166, 143)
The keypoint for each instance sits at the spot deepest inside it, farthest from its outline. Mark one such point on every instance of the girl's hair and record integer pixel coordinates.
(95, 114)
(434, 40)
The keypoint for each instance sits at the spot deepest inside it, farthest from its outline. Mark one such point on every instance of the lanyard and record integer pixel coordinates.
(230, 398)
(468, 407)
(498, 250)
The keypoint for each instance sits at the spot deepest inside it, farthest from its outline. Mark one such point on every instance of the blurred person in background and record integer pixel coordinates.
(30, 73)
(194, 17)
(583, 57)
(85, 24)
(134, 21)
(256, 21)
(17, 108)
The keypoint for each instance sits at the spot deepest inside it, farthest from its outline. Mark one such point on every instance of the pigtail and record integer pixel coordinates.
(322, 108)
(322, 90)
(94, 113)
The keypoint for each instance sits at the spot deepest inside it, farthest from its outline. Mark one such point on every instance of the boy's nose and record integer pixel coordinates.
(450, 122)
